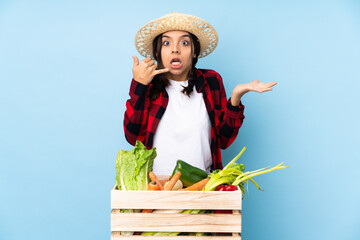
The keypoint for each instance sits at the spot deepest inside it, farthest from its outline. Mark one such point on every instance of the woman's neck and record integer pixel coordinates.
(180, 78)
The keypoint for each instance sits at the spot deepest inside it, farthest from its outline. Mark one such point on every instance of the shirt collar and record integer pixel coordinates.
(200, 81)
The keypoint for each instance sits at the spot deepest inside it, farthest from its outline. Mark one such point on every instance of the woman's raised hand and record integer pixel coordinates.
(145, 71)
(254, 86)
(257, 86)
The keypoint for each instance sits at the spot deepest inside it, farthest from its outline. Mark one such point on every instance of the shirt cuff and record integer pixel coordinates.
(235, 111)
(137, 88)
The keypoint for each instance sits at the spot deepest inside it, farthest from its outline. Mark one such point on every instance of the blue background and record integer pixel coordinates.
(65, 69)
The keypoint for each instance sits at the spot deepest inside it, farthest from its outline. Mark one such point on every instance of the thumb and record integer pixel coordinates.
(136, 61)
(156, 72)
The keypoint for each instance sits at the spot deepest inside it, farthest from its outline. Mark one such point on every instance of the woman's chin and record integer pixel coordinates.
(175, 75)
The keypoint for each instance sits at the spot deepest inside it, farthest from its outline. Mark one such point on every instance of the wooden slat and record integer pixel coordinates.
(179, 222)
(176, 200)
(117, 236)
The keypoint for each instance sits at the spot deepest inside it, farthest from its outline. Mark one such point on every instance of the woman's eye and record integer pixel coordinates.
(185, 43)
(165, 43)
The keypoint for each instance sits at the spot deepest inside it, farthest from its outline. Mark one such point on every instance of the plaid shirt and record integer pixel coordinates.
(143, 115)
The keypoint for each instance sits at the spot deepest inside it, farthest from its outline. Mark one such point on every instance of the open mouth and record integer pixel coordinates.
(175, 61)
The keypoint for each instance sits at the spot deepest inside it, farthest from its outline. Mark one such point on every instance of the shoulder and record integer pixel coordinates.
(208, 73)
(212, 77)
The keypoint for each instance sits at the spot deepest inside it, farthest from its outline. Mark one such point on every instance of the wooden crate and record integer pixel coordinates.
(230, 224)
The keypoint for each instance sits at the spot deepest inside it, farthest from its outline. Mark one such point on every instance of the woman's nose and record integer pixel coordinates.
(175, 49)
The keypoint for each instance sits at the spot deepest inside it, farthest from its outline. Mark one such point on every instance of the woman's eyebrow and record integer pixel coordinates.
(186, 35)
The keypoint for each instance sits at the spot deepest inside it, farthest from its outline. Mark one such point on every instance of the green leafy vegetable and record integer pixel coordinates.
(132, 171)
(234, 174)
(133, 167)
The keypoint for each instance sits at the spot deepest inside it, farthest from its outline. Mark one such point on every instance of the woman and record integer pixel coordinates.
(179, 109)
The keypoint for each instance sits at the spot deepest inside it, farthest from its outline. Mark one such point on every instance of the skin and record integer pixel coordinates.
(177, 44)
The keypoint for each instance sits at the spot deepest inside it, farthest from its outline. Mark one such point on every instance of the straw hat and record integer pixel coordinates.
(176, 21)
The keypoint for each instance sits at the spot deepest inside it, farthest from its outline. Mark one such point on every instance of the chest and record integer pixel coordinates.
(210, 100)
(188, 113)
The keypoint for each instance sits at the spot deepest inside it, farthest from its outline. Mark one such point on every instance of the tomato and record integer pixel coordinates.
(231, 188)
(221, 188)
(225, 188)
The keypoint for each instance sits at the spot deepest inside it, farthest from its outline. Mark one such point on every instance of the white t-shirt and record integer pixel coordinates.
(184, 131)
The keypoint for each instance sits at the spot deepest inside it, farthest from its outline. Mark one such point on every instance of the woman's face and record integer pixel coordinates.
(177, 54)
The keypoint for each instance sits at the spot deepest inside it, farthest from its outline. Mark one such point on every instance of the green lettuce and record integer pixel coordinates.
(133, 167)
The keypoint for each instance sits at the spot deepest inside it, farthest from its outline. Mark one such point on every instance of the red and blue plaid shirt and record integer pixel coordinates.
(143, 115)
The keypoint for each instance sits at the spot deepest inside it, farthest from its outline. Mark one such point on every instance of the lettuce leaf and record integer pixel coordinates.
(133, 167)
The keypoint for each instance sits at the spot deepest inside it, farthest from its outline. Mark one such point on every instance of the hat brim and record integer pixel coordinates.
(205, 32)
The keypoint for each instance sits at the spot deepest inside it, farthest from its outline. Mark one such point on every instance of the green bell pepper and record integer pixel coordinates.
(189, 173)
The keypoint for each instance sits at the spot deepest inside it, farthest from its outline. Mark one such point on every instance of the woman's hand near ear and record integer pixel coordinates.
(145, 71)
(254, 86)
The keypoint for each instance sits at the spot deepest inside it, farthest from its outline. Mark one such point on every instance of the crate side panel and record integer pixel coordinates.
(167, 222)
(176, 200)
(117, 236)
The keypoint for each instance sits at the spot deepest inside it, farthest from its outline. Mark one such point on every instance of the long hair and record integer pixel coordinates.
(160, 81)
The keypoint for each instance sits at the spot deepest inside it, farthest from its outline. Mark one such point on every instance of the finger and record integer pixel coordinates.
(151, 63)
(266, 89)
(136, 61)
(152, 68)
(255, 89)
(160, 71)
(146, 60)
(271, 84)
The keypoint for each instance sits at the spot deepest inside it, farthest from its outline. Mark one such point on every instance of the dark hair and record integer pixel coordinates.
(160, 81)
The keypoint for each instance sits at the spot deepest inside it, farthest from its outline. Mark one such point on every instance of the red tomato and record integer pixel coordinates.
(231, 188)
(221, 188)
(225, 188)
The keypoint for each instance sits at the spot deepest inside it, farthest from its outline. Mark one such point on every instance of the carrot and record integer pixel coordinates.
(154, 178)
(170, 184)
(153, 186)
(163, 181)
(196, 186)
(147, 210)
